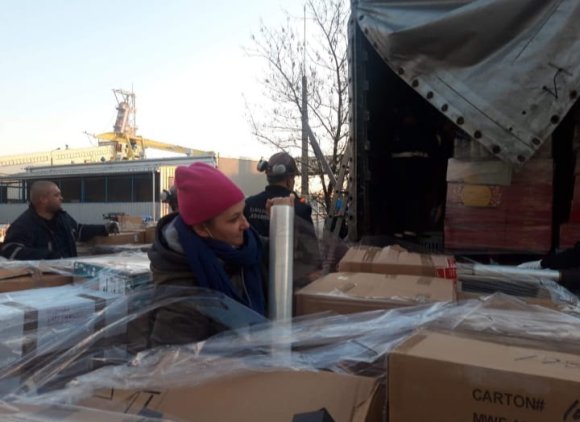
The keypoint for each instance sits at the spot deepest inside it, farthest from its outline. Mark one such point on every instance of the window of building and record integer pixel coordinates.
(119, 188)
(95, 189)
(142, 188)
(71, 189)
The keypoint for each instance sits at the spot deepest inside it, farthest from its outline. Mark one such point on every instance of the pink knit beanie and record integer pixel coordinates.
(204, 192)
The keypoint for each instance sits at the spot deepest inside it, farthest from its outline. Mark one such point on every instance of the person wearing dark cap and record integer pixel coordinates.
(208, 244)
(281, 172)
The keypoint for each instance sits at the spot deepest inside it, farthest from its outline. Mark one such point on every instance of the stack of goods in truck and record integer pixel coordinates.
(570, 231)
(491, 206)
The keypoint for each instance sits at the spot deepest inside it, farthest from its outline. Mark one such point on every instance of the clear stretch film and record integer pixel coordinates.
(281, 259)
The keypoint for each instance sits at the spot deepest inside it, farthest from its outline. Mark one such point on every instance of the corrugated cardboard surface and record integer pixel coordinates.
(254, 397)
(129, 223)
(150, 234)
(459, 379)
(32, 318)
(120, 239)
(34, 282)
(487, 172)
(396, 260)
(347, 293)
(34, 413)
(26, 277)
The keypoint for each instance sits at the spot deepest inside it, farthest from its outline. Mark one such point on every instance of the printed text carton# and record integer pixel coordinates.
(457, 378)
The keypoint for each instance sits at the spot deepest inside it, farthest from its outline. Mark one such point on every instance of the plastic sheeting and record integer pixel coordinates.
(84, 344)
(506, 72)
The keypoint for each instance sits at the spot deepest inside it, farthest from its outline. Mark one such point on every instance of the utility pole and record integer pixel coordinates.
(304, 161)
(304, 172)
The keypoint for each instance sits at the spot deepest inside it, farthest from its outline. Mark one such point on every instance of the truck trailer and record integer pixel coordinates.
(464, 118)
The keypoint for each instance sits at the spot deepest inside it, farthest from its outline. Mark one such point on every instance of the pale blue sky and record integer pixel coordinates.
(60, 59)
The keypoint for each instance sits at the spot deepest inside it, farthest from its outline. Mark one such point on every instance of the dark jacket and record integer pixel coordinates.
(566, 259)
(257, 216)
(31, 237)
(179, 322)
(307, 258)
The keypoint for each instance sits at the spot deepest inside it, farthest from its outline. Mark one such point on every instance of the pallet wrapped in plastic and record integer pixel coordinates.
(324, 362)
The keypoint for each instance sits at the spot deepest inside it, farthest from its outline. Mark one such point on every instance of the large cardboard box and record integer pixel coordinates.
(443, 377)
(277, 395)
(15, 278)
(34, 323)
(397, 260)
(347, 293)
(26, 412)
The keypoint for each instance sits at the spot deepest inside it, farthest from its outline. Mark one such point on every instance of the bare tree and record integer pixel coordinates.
(322, 57)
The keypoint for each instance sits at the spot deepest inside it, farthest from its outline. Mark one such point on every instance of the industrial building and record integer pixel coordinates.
(133, 187)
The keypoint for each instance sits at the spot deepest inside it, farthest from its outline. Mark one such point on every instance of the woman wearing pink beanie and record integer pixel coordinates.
(207, 244)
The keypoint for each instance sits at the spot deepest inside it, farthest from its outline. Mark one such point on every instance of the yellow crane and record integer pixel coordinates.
(129, 145)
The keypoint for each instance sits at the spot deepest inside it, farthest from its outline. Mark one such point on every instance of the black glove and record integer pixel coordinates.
(112, 227)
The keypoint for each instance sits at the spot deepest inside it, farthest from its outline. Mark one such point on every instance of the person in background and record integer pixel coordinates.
(281, 172)
(209, 244)
(45, 230)
(563, 260)
(169, 197)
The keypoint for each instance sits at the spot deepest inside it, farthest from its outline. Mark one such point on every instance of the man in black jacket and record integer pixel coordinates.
(45, 231)
(281, 171)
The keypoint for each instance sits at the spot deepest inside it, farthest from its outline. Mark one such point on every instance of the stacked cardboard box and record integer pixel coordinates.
(499, 212)
(397, 260)
(346, 293)
(274, 395)
(22, 276)
(570, 231)
(43, 322)
(460, 377)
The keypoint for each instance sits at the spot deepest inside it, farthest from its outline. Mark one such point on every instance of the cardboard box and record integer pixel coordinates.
(23, 277)
(150, 234)
(120, 239)
(397, 260)
(30, 320)
(445, 377)
(346, 293)
(115, 273)
(569, 235)
(60, 413)
(276, 395)
(129, 223)
(488, 172)
(34, 282)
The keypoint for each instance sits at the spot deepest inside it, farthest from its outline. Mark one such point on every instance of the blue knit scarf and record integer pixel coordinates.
(206, 258)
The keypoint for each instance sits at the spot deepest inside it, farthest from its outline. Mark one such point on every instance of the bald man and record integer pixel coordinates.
(45, 231)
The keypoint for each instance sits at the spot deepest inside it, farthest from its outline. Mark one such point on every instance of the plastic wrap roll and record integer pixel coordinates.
(281, 258)
(507, 271)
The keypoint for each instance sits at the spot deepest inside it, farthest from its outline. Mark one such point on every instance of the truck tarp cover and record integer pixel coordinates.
(507, 70)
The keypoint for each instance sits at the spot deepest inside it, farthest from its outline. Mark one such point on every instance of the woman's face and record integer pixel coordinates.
(229, 226)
